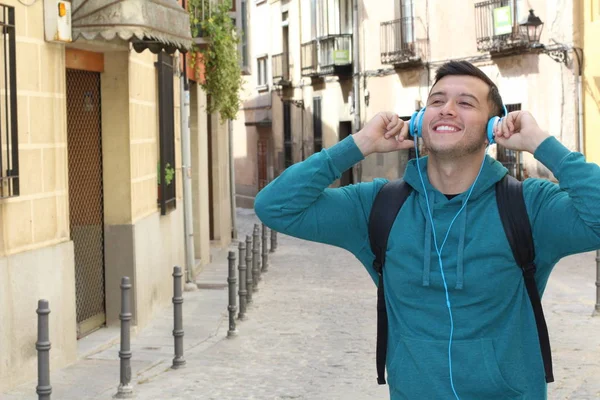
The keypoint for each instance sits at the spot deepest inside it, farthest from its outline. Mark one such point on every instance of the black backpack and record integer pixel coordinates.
(511, 205)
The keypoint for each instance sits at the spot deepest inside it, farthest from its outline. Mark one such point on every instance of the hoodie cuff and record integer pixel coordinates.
(551, 153)
(345, 154)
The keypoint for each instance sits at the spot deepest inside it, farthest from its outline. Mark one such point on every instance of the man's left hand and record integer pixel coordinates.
(519, 131)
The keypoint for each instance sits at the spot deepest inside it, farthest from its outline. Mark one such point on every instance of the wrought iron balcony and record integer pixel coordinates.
(335, 51)
(328, 55)
(497, 27)
(398, 43)
(281, 69)
(310, 58)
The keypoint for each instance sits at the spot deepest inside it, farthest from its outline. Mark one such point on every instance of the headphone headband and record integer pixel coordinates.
(416, 123)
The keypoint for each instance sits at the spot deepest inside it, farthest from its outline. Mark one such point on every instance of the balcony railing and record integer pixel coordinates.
(327, 55)
(398, 42)
(310, 58)
(334, 51)
(497, 27)
(281, 68)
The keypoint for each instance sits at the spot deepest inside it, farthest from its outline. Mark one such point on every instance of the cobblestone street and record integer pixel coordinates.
(311, 334)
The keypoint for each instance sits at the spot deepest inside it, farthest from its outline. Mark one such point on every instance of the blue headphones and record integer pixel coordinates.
(416, 124)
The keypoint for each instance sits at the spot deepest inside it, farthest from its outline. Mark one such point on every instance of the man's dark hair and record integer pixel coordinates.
(466, 68)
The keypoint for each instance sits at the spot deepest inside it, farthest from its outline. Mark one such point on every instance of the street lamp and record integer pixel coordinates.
(531, 29)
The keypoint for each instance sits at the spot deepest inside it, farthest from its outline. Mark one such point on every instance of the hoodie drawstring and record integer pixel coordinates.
(461, 248)
(427, 253)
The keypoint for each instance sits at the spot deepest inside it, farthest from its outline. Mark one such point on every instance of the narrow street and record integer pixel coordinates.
(311, 334)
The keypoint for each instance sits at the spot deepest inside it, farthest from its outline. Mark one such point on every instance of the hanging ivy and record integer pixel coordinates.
(221, 59)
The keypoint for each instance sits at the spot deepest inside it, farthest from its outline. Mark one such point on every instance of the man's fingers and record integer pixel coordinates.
(511, 123)
(394, 127)
(505, 131)
(403, 131)
(405, 144)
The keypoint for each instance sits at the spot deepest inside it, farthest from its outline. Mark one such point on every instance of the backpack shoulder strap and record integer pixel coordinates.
(385, 208)
(515, 220)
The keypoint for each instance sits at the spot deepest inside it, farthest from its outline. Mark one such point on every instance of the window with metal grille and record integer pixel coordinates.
(287, 134)
(166, 112)
(9, 135)
(317, 125)
(511, 159)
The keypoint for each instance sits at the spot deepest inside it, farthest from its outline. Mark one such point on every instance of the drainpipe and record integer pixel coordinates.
(356, 78)
(234, 233)
(580, 144)
(186, 172)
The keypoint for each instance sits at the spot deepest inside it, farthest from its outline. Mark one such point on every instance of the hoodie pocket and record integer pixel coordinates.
(420, 369)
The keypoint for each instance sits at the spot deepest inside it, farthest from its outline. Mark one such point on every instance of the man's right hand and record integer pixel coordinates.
(384, 133)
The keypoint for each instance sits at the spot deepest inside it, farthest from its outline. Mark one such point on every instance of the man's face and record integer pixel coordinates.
(456, 117)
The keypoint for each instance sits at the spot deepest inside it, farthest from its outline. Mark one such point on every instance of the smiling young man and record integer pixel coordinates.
(461, 324)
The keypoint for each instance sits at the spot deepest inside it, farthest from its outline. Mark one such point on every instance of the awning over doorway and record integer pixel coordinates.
(148, 24)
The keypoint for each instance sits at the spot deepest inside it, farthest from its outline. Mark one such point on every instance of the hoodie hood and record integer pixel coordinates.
(492, 172)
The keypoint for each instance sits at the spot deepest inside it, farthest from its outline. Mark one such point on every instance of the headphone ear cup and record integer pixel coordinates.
(413, 127)
(420, 122)
(416, 123)
(490, 129)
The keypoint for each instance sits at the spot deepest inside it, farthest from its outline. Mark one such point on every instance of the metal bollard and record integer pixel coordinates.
(255, 268)
(242, 287)
(258, 247)
(249, 271)
(179, 360)
(43, 389)
(265, 251)
(273, 240)
(231, 280)
(125, 389)
(597, 308)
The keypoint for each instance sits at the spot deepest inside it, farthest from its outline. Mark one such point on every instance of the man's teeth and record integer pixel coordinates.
(445, 128)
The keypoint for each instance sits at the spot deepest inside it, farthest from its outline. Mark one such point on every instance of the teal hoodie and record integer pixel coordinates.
(495, 353)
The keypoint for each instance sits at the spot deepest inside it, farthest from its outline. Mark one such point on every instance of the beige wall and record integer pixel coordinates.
(36, 257)
(244, 145)
(158, 240)
(200, 171)
(116, 144)
(220, 178)
(38, 217)
(36, 254)
(144, 140)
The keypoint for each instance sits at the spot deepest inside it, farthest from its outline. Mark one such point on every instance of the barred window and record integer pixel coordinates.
(9, 136)
(317, 125)
(512, 160)
(287, 134)
(166, 112)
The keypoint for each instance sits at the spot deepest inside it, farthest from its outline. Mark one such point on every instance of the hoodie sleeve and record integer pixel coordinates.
(300, 204)
(565, 217)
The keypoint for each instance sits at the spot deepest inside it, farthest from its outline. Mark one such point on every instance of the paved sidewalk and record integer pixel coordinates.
(310, 335)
